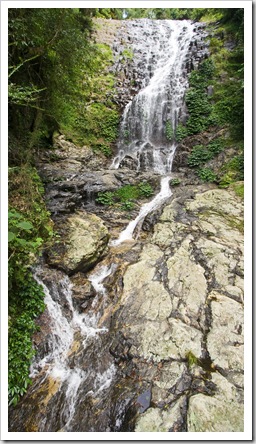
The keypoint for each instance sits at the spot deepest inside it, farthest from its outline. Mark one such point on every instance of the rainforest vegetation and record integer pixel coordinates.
(59, 81)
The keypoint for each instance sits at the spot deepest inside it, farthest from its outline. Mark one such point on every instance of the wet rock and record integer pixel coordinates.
(144, 400)
(82, 291)
(84, 243)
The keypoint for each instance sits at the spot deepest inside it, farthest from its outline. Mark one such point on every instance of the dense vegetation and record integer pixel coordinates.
(48, 52)
(55, 70)
(215, 101)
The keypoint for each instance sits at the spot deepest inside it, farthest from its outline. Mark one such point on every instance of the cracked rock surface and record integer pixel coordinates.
(182, 312)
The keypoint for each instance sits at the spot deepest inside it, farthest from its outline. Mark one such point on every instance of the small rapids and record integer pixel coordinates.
(67, 331)
(164, 193)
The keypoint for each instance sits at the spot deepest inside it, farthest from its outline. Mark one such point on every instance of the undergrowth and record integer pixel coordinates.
(126, 196)
(29, 228)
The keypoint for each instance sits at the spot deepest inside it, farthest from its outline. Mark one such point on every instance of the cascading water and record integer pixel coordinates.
(65, 331)
(157, 106)
(149, 122)
(78, 367)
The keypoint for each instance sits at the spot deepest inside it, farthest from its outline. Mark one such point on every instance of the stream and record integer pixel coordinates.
(79, 370)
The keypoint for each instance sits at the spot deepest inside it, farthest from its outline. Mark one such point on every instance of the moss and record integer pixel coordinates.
(191, 359)
(238, 187)
(93, 118)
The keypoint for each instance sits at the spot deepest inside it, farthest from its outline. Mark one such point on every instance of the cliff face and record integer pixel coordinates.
(156, 322)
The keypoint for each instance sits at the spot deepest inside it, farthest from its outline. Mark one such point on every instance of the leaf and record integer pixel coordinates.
(11, 236)
(22, 242)
(25, 225)
(12, 214)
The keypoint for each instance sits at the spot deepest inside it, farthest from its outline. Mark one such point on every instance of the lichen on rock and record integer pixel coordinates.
(83, 242)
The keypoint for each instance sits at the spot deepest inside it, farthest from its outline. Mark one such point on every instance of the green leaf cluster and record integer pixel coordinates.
(169, 133)
(181, 132)
(207, 175)
(201, 154)
(22, 314)
(175, 182)
(197, 101)
(29, 229)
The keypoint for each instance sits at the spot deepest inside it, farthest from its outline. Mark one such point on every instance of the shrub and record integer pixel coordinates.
(105, 198)
(181, 132)
(126, 195)
(207, 175)
(29, 229)
(22, 313)
(174, 182)
(145, 189)
(198, 156)
(128, 205)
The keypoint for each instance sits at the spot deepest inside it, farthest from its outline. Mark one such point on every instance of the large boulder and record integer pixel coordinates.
(84, 239)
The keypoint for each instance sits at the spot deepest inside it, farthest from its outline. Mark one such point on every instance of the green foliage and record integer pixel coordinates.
(239, 189)
(23, 95)
(127, 193)
(198, 156)
(98, 126)
(207, 175)
(126, 196)
(199, 108)
(29, 229)
(58, 78)
(171, 13)
(199, 79)
(22, 242)
(181, 132)
(169, 131)
(127, 54)
(229, 107)
(233, 171)
(93, 118)
(128, 205)
(105, 198)
(216, 146)
(174, 182)
(23, 310)
(145, 189)
(201, 154)
(191, 359)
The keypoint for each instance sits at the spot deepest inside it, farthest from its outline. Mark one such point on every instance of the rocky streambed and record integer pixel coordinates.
(173, 312)
(147, 335)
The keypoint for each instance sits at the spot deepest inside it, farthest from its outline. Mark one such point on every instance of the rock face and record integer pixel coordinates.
(182, 311)
(85, 240)
(131, 65)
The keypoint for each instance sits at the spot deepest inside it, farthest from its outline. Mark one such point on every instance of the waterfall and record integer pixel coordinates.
(147, 132)
(78, 356)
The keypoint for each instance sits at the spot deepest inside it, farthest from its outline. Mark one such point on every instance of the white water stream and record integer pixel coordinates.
(63, 334)
(145, 121)
(157, 105)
